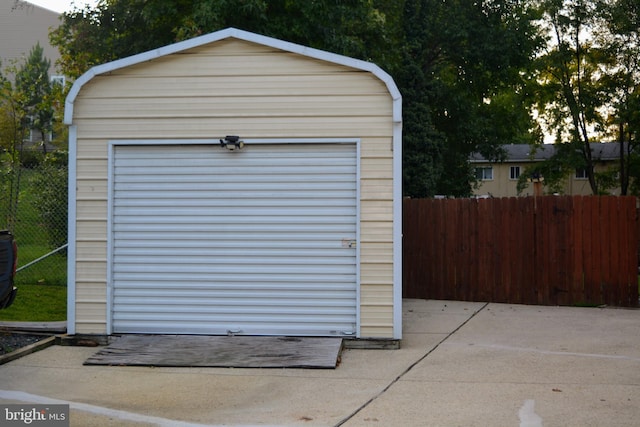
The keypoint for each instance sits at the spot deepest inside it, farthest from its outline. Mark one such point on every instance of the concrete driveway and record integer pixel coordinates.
(461, 364)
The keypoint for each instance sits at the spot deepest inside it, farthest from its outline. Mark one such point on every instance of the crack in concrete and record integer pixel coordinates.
(406, 371)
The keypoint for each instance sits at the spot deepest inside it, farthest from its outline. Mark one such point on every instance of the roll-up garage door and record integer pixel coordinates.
(258, 241)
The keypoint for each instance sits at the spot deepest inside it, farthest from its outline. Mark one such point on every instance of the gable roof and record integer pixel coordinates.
(523, 153)
(240, 35)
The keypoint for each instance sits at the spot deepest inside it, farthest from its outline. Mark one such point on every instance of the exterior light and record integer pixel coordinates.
(231, 142)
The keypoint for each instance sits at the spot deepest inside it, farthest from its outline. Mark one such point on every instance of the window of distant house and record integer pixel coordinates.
(514, 172)
(57, 80)
(28, 123)
(484, 174)
(581, 174)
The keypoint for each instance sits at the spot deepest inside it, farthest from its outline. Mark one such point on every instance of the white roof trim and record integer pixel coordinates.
(241, 35)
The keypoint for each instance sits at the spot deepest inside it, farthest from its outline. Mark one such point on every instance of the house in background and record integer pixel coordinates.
(22, 26)
(500, 179)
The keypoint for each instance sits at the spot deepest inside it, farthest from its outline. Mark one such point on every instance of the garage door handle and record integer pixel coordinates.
(349, 243)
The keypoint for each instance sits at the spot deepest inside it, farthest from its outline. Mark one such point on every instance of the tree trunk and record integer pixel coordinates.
(624, 176)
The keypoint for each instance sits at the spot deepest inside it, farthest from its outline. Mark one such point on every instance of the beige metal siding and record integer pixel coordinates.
(234, 87)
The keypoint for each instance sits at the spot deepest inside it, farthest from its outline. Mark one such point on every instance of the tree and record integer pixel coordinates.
(12, 132)
(589, 86)
(35, 95)
(462, 67)
(49, 182)
(115, 29)
(619, 36)
(31, 102)
(118, 28)
(571, 94)
(464, 78)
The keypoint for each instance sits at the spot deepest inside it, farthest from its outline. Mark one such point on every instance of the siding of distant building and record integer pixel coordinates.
(21, 27)
(500, 179)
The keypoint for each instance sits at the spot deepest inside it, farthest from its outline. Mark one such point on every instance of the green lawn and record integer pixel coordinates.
(42, 289)
(37, 303)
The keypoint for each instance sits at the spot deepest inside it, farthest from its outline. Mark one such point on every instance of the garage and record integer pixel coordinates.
(235, 184)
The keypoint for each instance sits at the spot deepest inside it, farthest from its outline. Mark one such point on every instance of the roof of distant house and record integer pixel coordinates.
(528, 153)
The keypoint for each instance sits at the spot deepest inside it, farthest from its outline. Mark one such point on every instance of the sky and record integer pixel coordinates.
(62, 5)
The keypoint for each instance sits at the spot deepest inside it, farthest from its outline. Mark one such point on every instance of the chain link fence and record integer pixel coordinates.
(33, 206)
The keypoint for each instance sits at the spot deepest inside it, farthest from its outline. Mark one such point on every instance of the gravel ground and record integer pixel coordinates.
(12, 341)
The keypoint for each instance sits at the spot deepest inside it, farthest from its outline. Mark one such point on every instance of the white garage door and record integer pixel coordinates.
(258, 241)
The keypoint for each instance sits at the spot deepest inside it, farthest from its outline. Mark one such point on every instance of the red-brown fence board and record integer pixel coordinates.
(552, 250)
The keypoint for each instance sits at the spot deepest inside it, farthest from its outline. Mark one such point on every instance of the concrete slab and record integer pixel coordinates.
(436, 317)
(523, 365)
(424, 404)
(201, 396)
(467, 364)
(573, 329)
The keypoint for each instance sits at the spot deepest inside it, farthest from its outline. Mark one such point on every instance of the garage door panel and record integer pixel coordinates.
(229, 168)
(238, 310)
(276, 153)
(247, 268)
(237, 214)
(136, 287)
(162, 263)
(192, 231)
(303, 191)
(287, 327)
(228, 319)
(301, 198)
(287, 241)
(222, 300)
(206, 240)
(178, 278)
(302, 254)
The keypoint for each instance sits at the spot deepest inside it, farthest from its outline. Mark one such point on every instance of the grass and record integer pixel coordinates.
(37, 303)
(42, 287)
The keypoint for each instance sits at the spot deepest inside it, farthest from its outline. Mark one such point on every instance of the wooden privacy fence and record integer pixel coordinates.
(551, 250)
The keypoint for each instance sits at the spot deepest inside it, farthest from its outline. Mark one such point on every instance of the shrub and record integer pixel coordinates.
(49, 184)
(31, 159)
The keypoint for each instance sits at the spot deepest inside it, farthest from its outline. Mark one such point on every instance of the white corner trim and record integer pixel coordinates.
(71, 235)
(241, 35)
(397, 230)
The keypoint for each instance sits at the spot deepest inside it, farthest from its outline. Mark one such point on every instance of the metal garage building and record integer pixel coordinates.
(235, 183)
